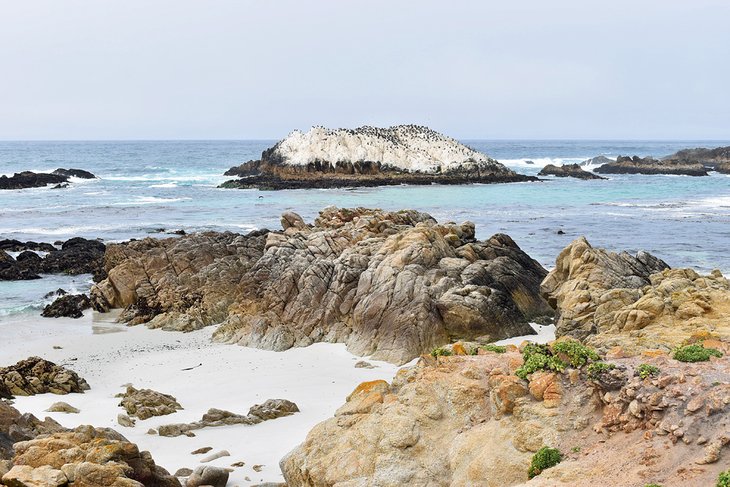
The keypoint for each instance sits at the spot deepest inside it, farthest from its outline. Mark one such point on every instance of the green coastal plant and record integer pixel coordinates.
(597, 368)
(652, 485)
(441, 352)
(577, 353)
(491, 347)
(723, 480)
(646, 370)
(545, 458)
(542, 357)
(695, 353)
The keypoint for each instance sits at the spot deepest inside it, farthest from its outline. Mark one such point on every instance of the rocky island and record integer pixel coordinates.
(567, 170)
(649, 165)
(368, 156)
(29, 179)
(717, 158)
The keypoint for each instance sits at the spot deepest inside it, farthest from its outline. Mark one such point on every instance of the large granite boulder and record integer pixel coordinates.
(611, 299)
(649, 165)
(146, 403)
(86, 457)
(391, 284)
(368, 156)
(469, 420)
(37, 376)
(15, 427)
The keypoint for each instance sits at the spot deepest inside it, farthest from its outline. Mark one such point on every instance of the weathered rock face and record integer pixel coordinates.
(271, 409)
(468, 420)
(368, 156)
(88, 457)
(37, 376)
(612, 299)
(567, 170)
(392, 284)
(67, 306)
(649, 165)
(16, 427)
(714, 158)
(146, 403)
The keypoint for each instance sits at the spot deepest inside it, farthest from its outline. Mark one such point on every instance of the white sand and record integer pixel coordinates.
(317, 378)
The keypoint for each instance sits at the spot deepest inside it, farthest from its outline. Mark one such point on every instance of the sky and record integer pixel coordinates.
(240, 69)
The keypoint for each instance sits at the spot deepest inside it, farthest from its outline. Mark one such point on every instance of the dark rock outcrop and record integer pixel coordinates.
(76, 256)
(392, 284)
(568, 170)
(649, 165)
(67, 306)
(597, 161)
(75, 173)
(368, 156)
(11, 270)
(37, 376)
(29, 179)
(18, 246)
(717, 158)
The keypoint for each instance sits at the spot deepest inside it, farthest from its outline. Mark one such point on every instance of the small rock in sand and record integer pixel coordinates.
(151, 431)
(208, 475)
(238, 464)
(146, 403)
(62, 407)
(200, 451)
(125, 420)
(183, 472)
(57, 347)
(257, 468)
(364, 365)
(214, 456)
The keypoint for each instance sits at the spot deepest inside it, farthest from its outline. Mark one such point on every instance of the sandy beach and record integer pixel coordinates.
(108, 355)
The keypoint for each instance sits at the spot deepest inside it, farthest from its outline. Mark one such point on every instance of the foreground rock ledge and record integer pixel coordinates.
(468, 420)
(389, 284)
(368, 156)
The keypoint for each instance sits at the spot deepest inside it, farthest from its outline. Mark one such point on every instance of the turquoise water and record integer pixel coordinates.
(145, 186)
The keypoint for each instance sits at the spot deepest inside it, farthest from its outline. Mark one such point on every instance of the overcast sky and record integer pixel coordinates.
(181, 69)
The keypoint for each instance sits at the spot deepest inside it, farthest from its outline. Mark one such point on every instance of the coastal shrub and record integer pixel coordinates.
(542, 357)
(597, 368)
(441, 352)
(652, 485)
(545, 458)
(578, 353)
(695, 353)
(491, 347)
(646, 370)
(723, 480)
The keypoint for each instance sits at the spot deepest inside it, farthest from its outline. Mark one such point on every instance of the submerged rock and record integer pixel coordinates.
(567, 170)
(392, 285)
(649, 165)
(37, 376)
(368, 156)
(67, 306)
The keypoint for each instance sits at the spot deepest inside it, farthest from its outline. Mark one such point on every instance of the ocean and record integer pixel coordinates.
(147, 186)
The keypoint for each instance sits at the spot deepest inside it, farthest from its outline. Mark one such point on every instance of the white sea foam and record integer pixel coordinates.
(172, 184)
(149, 200)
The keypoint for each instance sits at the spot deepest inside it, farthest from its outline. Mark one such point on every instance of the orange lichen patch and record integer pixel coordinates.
(701, 336)
(370, 386)
(714, 343)
(515, 362)
(458, 349)
(653, 353)
(615, 352)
